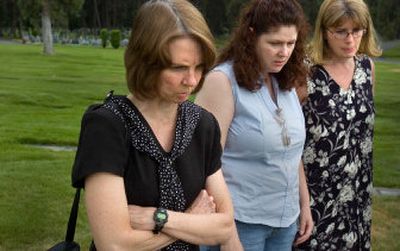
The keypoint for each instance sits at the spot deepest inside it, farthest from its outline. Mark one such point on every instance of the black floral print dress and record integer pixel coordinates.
(338, 159)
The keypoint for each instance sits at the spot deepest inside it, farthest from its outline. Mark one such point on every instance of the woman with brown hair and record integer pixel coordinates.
(150, 161)
(252, 94)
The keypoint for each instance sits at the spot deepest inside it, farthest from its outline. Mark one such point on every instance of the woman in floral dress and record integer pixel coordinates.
(339, 116)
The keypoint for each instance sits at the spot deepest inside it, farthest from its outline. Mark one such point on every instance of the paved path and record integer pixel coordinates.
(8, 41)
(386, 46)
(390, 44)
(386, 191)
(387, 60)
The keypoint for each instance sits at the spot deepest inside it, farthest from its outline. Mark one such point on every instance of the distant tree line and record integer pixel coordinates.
(26, 15)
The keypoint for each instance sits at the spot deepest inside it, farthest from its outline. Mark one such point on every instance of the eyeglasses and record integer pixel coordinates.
(343, 34)
(282, 122)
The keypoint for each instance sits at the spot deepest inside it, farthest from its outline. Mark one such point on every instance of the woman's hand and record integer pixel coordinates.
(306, 221)
(203, 204)
(233, 242)
(306, 225)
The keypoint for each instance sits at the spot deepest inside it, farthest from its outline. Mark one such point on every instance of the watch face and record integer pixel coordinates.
(161, 216)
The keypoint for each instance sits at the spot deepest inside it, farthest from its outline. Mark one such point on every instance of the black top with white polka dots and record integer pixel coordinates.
(105, 145)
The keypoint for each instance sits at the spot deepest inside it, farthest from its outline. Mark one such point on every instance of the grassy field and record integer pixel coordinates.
(387, 130)
(42, 99)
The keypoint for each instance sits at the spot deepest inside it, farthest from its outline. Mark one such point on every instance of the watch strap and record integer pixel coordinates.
(160, 217)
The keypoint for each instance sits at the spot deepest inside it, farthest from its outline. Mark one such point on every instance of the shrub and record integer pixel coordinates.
(34, 32)
(115, 38)
(104, 37)
(5, 33)
(17, 34)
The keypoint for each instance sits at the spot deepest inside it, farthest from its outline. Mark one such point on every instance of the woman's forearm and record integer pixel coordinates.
(191, 226)
(108, 217)
(206, 229)
(208, 221)
(303, 189)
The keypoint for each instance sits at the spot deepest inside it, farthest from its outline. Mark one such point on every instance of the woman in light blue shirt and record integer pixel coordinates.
(251, 93)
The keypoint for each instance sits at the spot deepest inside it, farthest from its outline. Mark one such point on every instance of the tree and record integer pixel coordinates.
(221, 15)
(215, 15)
(46, 28)
(385, 15)
(51, 12)
(311, 8)
(233, 8)
(96, 13)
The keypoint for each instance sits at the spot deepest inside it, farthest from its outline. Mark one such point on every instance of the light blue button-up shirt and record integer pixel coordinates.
(262, 174)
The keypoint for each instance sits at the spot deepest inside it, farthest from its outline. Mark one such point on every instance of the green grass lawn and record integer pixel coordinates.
(42, 99)
(387, 130)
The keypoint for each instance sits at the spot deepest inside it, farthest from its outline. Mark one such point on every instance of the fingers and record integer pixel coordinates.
(207, 202)
(304, 232)
(301, 239)
(203, 204)
(302, 227)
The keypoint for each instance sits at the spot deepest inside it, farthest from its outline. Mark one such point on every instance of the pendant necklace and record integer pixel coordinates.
(278, 115)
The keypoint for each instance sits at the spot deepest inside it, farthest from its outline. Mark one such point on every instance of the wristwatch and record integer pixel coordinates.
(160, 217)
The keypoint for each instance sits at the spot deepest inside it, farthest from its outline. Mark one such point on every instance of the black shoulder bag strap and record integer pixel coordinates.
(69, 237)
(69, 244)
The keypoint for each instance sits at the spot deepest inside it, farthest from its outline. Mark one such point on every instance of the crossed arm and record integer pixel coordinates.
(117, 226)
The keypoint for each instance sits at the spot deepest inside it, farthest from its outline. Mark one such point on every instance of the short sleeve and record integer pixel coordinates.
(215, 151)
(102, 146)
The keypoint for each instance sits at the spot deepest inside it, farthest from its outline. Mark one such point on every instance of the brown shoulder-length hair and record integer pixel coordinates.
(156, 24)
(263, 16)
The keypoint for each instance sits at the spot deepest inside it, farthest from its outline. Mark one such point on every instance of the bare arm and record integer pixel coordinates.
(233, 242)
(216, 97)
(372, 76)
(205, 223)
(208, 229)
(306, 221)
(108, 216)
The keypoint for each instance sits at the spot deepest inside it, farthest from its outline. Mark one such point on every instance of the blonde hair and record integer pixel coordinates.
(333, 13)
(156, 24)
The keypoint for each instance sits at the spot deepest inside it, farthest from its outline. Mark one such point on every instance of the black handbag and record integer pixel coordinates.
(68, 244)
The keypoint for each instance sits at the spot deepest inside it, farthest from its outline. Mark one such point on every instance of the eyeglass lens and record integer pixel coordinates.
(342, 34)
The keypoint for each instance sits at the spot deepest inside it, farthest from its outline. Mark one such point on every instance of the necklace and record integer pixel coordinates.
(282, 122)
(277, 113)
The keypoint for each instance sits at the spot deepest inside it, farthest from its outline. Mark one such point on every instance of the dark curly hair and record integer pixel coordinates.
(262, 16)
